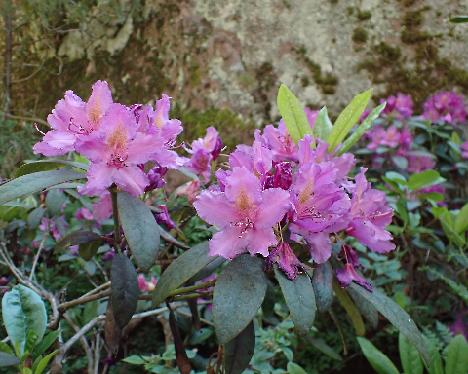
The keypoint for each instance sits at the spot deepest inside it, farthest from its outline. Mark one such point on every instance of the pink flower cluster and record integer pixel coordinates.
(117, 140)
(448, 107)
(276, 193)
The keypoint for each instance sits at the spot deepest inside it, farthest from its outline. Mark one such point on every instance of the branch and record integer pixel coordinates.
(84, 342)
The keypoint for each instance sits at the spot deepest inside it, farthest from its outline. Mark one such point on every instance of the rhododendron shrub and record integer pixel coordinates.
(294, 209)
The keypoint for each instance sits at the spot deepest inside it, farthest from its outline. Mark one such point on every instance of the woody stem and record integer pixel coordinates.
(115, 214)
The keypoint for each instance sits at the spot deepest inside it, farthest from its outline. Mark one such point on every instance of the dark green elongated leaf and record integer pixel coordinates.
(181, 270)
(55, 200)
(77, 237)
(5, 348)
(397, 317)
(435, 365)
(366, 309)
(457, 356)
(208, 269)
(379, 361)
(124, 288)
(323, 347)
(7, 359)
(49, 164)
(140, 229)
(351, 309)
(322, 125)
(45, 343)
(35, 216)
(238, 293)
(88, 250)
(409, 356)
(239, 351)
(23, 313)
(300, 299)
(35, 182)
(348, 118)
(361, 130)
(322, 279)
(423, 179)
(293, 114)
(459, 19)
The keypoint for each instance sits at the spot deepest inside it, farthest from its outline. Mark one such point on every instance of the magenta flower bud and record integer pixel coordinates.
(348, 274)
(163, 217)
(280, 177)
(156, 178)
(109, 255)
(284, 257)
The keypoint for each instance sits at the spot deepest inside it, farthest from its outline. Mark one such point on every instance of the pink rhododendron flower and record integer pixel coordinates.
(399, 106)
(156, 177)
(144, 285)
(244, 214)
(73, 119)
(446, 107)
(418, 162)
(370, 214)
(390, 137)
(115, 151)
(284, 257)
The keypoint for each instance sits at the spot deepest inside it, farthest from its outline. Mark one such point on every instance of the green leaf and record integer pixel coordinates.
(423, 179)
(322, 125)
(293, 114)
(4, 347)
(457, 356)
(44, 362)
(397, 317)
(181, 270)
(435, 365)
(323, 347)
(348, 118)
(366, 309)
(362, 129)
(461, 220)
(7, 359)
(45, 343)
(239, 351)
(380, 362)
(300, 299)
(88, 250)
(35, 217)
(78, 237)
(45, 165)
(238, 293)
(295, 369)
(35, 182)
(124, 289)
(351, 309)
(409, 356)
(54, 201)
(140, 229)
(322, 280)
(459, 19)
(23, 313)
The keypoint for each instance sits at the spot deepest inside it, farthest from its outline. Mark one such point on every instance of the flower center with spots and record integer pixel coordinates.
(245, 225)
(243, 201)
(117, 161)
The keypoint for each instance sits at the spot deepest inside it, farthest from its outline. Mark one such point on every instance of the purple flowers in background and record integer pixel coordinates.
(399, 106)
(448, 107)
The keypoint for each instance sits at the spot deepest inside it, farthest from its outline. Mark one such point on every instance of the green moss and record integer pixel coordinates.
(411, 33)
(326, 81)
(363, 15)
(232, 128)
(359, 35)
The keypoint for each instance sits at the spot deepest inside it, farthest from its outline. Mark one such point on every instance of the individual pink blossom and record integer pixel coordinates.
(73, 119)
(284, 257)
(144, 285)
(320, 207)
(211, 143)
(448, 107)
(348, 274)
(244, 214)
(115, 151)
(464, 150)
(399, 106)
(370, 215)
(280, 176)
(279, 141)
(84, 213)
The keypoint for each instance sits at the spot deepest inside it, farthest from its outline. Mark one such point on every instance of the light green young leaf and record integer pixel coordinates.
(293, 114)
(348, 118)
(351, 309)
(409, 356)
(361, 130)
(423, 179)
(41, 366)
(294, 368)
(457, 356)
(322, 125)
(461, 220)
(379, 361)
(23, 313)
